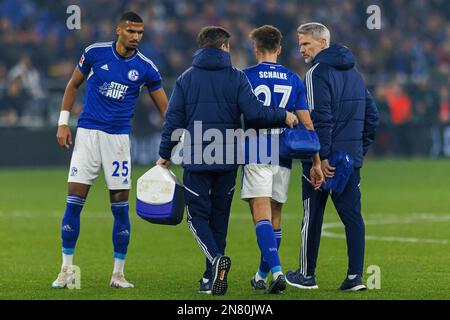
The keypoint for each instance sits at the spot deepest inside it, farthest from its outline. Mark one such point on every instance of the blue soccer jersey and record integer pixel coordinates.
(113, 86)
(275, 86)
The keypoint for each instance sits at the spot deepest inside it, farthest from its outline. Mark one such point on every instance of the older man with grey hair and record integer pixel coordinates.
(346, 118)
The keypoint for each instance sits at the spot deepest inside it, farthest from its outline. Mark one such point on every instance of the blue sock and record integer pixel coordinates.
(121, 229)
(278, 235)
(268, 245)
(264, 267)
(70, 228)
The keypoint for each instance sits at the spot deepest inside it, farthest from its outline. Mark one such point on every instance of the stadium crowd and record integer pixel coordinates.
(406, 63)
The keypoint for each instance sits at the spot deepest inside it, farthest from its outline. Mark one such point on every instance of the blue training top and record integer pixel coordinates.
(275, 86)
(113, 86)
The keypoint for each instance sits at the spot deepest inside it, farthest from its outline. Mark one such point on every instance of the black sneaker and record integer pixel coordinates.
(258, 285)
(205, 287)
(353, 285)
(221, 267)
(296, 279)
(276, 286)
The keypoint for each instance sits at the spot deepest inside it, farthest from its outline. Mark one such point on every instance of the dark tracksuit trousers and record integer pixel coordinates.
(208, 197)
(348, 206)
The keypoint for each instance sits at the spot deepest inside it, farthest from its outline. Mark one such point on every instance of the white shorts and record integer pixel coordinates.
(265, 180)
(95, 149)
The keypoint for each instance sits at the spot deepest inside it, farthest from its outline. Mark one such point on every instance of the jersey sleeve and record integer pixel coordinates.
(300, 100)
(86, 62)
(153, 80)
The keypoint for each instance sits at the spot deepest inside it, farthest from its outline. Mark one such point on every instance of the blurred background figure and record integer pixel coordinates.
(406, 64)
(12, 103)
(401, 111)
(31, 82)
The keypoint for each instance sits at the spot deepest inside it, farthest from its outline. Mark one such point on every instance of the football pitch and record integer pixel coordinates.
(406, 206)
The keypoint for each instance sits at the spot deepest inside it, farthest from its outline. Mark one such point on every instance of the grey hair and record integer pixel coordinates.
(317, 30)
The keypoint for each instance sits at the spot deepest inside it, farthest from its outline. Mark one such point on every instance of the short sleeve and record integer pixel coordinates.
(301, 101)
(153, 80)
(86, 62)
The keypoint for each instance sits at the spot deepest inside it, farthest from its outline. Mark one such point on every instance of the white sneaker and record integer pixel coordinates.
(118, 281)
(65, 277)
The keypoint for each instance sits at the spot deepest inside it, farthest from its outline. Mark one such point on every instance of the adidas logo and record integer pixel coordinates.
(104, 67)
(67, 228)
(123, 233)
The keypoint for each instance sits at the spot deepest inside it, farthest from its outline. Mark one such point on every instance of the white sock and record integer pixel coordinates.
(118, 265)
(258, 278)
(67, 260)
(352, 276)
(277, 274)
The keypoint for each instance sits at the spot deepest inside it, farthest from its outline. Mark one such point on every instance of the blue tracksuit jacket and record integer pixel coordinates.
(217, 94)
(342, 109)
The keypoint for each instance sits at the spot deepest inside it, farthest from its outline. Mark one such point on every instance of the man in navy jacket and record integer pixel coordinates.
(208, 100)
(345, 118)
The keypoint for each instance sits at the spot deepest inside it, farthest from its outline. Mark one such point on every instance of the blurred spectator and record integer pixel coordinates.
(27, 73)
(12, 103)
(400, 106)
(31, 83)
(426, 110)
(444, 108)
(383, 145)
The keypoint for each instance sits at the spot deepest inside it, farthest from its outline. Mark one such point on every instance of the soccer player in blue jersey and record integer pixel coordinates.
(265, 185)
(115, 72)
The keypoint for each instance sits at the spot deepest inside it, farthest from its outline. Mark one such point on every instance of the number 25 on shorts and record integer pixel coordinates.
(123, 168)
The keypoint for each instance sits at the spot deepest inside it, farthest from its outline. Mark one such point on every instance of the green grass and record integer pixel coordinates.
(410, 198)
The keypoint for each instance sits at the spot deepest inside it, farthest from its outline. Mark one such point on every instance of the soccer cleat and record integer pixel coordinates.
(205, 287)
(296, 279)
(65, 277)
(118, 281)
(278, 285)
(221, 267)
(353, 285)
(258, 285)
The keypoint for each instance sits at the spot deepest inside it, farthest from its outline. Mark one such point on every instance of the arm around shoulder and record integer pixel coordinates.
(257, 115)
